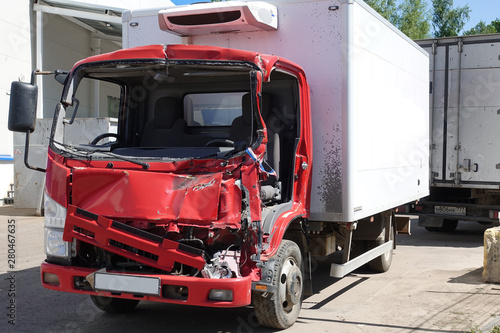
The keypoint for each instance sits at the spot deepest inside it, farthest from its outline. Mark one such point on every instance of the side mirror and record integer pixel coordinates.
(60, 76)
(22, 113)
(23, 104)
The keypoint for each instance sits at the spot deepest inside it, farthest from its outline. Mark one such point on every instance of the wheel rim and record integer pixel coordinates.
(290, 285)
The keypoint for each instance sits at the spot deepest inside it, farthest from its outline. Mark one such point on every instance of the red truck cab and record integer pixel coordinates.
(190, 199)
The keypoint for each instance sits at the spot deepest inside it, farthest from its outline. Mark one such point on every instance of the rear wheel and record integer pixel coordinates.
(449, 226)
(114, 305)
(383, 263)
(281, 310)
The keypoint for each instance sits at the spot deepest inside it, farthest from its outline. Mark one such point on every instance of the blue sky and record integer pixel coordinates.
(486, 10)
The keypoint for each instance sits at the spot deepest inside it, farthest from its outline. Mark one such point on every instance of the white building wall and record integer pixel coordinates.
(62, 51)
(15, 64)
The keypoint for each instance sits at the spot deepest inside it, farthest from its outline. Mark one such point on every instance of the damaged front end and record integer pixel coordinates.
(188, 232)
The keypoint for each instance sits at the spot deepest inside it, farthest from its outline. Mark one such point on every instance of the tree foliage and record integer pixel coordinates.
(483, 28)
(446, 20)
(414, 19)
(411, 16)
(387, 8)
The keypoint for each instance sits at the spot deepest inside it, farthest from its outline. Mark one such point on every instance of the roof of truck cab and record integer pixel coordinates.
(183, 52)
(141, 52)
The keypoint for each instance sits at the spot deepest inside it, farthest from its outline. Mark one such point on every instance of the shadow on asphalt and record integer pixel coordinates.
(468, 235)
(472, 277)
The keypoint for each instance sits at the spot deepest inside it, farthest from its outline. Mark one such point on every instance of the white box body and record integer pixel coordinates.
(465, 107)
(369, 88)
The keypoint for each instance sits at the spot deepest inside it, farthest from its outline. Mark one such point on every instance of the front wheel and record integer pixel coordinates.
(281, 310)
(114, 305)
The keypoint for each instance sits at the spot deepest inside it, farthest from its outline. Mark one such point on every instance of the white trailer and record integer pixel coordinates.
(465, 107)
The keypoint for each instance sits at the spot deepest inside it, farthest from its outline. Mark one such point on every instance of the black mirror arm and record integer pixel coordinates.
(39, 72)
(26, 150)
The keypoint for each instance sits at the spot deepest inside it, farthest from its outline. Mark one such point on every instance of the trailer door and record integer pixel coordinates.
(465, 103)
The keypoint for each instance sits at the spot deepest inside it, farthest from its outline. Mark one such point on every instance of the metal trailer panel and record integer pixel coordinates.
(140, 27)
(465, 108)
(369, 88)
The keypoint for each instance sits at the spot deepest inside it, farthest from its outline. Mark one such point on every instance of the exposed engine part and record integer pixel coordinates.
(224, 265)
(270, 193)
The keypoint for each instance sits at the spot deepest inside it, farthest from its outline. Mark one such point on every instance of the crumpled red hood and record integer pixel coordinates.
(124, 194)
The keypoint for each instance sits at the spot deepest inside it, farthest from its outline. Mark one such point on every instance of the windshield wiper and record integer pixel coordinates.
(89, 150)
(144, 165)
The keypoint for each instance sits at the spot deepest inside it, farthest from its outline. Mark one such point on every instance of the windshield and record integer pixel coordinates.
(157, 110)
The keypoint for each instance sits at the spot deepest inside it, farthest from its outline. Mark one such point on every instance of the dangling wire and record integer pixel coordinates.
(271, 171)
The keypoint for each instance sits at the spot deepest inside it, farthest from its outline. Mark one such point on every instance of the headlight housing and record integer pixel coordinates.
(54, 214)
(54, 220)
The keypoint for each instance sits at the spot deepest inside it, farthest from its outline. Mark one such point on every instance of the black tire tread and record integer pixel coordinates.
(449, 226)
(380, 264)
(265, 307)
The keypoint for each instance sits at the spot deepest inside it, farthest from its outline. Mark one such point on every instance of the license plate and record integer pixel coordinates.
(460, 211)
(130, 284)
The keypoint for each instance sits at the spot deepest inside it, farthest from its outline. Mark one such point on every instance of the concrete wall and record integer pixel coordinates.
(15, 64)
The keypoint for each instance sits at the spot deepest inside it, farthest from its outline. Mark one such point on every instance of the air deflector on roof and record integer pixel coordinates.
(219, 17)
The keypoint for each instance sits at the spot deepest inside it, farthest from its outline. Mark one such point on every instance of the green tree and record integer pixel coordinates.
(482, 28)
(496, 24)
(414, 19)
(387, 8)
(411, 16)
(446, 20)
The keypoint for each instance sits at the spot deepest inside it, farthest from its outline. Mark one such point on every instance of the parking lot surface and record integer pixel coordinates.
(434, 285)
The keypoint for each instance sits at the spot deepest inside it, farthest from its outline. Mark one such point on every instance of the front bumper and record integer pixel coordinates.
(198, 288)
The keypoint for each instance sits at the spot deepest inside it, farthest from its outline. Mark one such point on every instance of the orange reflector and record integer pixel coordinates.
(261, 287)
(51, 278)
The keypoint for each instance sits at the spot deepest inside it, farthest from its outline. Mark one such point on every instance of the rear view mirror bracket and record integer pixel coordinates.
(77, 104)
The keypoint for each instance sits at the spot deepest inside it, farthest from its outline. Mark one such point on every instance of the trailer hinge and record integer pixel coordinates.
(434, 47)
(460, 48)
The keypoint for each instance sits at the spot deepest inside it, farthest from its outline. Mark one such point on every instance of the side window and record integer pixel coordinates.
(217, 109)
(97, 113)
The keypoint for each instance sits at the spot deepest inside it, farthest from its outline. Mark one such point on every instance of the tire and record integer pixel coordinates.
(383, 263)
(449, 226)
(114, 305)
(281, 310)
